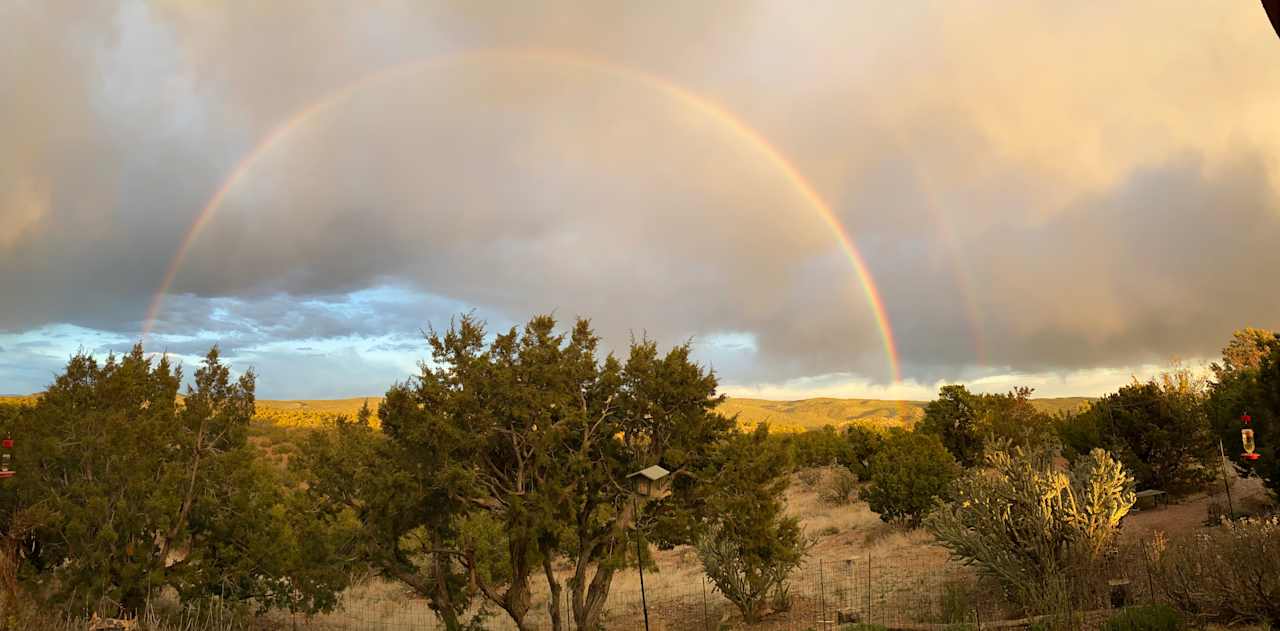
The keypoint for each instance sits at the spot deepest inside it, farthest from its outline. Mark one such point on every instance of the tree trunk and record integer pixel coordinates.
(588, 617)
(553, 601)
(443, 602)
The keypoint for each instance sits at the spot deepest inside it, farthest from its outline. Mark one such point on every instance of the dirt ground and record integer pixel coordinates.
(857, 563)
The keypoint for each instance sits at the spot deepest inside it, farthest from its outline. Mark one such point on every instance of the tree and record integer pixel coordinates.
(1032, 526)
(953, 418)
(865, 441)
(819, 448)
(1255, 390)
(530, 437)
(751, 545)
(1245, 352)
(143, 492)
(967, 422)
(908, 475)
(1158, 429)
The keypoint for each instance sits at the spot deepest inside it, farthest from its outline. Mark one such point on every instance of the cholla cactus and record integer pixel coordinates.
(1032, 525)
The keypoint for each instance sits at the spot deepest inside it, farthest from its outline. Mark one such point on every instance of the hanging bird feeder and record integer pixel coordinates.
(6, 458)
(1246, 439)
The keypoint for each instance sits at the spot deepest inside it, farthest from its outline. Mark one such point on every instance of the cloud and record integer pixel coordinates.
(1033, 192)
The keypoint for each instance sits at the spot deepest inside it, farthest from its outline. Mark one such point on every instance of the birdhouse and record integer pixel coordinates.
(645, 481)
(6, 458)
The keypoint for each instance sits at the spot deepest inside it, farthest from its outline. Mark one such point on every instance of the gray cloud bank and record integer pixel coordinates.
(1032, 188)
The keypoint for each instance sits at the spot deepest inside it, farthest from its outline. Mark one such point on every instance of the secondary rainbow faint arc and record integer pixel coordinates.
(678, 93)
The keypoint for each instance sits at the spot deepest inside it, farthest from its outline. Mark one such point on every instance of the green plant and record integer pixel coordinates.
(752, 546)
(1038, 530)
(129, 491)
(908, 475)
(1158, 617)
(1158, 429)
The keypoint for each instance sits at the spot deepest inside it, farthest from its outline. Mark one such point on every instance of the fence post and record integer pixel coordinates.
(868, 587)
(1151, 585)
(822, 596)
(705, 624)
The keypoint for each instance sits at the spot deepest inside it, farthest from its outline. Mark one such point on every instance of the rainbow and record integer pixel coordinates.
(678, 94)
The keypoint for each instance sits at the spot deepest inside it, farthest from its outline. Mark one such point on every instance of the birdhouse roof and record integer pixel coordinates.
(652, 473)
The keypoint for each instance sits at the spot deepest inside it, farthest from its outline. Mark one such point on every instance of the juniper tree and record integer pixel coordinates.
(144, 492)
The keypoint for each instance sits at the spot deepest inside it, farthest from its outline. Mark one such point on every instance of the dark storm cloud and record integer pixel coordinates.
(1029, 193)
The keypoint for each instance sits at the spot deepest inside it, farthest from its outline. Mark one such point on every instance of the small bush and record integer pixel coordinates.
(1149, 618)
(1226, 574)
(908, 476)
(840, 488)
(809, 478)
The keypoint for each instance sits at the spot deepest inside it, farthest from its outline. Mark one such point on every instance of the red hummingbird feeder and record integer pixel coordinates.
(6, 458)
(1246, 439)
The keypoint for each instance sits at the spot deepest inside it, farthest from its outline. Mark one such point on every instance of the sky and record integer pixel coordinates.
(825, 198)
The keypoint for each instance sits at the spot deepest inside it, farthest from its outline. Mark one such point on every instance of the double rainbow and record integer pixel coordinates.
(676, 93)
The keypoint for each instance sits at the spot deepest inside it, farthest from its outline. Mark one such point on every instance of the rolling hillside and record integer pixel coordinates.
(786, 416)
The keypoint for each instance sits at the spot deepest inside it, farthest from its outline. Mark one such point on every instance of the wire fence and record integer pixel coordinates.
(903, 590)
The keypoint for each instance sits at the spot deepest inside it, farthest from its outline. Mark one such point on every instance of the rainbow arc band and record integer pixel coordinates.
(678, 94)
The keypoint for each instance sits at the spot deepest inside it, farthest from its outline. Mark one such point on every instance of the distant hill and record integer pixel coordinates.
(311, 413)
(807, 414)
(782, 416)
(1062, 405)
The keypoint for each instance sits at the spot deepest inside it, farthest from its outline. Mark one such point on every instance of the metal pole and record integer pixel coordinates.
(705, 625)
(1231, 510)
(644, 603)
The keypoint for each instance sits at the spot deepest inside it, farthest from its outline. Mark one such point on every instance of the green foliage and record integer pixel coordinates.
(864, 442)
(525, 441)
(1157, 617)
(967, 422)
(1032, 526)
(1226, 574)
(1248, 381)
(751, 546)
(821, 447)
(123, 491)
(908, 475)
(1158, 429)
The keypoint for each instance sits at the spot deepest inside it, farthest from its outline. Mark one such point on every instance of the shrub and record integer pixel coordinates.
(751, 545)
(840, 487)
(810, 477)
(1228, 574)
(1036, 529)
(1157, 617)
(908, 476)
